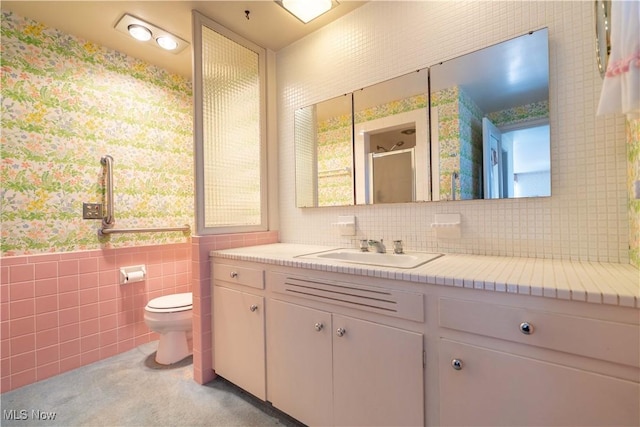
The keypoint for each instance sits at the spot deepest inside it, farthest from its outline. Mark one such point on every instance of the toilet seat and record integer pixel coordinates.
(171, 303)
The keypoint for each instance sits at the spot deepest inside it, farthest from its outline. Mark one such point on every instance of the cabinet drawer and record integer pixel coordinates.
(251, 277)
(610, 341)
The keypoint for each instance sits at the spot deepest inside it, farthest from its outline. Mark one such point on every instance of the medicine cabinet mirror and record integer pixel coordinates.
(490, 122)
(483, 132)
(324, 153)
(391, 140)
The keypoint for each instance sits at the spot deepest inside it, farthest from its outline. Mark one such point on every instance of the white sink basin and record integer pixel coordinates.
(406, 260)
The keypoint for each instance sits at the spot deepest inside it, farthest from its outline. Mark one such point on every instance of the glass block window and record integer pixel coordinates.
(229, 89)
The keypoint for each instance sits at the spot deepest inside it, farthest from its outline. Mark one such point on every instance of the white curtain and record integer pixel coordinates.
(621, 86)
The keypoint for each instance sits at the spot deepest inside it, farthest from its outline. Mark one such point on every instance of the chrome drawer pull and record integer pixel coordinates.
(526, 328)
(457, 364)
(233, 274)
(319, 326)
(340, 332)
(253, 308)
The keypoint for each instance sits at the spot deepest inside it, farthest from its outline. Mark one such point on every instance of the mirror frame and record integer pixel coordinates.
(603, 34)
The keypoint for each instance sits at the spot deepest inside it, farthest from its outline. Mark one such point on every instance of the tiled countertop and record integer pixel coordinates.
(600, 283)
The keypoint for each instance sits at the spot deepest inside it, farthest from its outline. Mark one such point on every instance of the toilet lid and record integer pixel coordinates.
(171, 303)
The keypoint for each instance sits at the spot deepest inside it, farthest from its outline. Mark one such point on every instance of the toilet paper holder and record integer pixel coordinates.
(134, 273)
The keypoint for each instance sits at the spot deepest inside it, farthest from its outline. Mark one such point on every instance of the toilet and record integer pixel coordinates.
(170, 316)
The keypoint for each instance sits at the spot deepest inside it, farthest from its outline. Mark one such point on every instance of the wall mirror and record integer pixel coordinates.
(482, 133)
(323, 135)
(391, 140)
(490, 122)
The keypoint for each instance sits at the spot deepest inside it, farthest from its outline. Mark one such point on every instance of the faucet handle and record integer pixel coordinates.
(397, 247)
(364, 245)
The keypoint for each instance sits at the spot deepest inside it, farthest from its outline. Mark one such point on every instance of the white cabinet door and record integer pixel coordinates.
(238, 339)
(299, 362)
(377, 374)
(497, 388)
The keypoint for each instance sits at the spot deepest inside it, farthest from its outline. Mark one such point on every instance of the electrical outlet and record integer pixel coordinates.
(91, 211)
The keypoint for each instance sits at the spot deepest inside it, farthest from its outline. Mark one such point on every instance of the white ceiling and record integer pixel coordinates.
(269, 25)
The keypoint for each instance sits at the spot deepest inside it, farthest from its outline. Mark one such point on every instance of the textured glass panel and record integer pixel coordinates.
(231, 132)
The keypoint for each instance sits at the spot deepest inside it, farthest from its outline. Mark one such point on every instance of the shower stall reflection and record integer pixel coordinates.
(392, 176)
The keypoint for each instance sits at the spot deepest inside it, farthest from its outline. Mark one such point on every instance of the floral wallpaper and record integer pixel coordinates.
(520, 114)
(391, 108)
(335, 158)
(66, 102)
(460, 138)
(633, 173)
(470, 185)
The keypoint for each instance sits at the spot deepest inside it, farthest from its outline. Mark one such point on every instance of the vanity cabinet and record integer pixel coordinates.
(238, 328)
(330, 369)
(300, 368)
(480, 385)
(338, 348)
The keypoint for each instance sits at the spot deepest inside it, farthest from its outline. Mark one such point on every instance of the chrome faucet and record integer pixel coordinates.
(379, 245)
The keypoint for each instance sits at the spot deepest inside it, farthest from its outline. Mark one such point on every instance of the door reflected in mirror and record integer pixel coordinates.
(490, 122)
(516, 163)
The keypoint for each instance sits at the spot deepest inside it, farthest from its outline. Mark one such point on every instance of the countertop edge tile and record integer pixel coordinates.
(590, 282)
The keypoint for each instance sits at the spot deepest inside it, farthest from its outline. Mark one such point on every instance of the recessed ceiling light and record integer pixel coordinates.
(139, 32)
(150, 34)
(167, 43)
(307, 10)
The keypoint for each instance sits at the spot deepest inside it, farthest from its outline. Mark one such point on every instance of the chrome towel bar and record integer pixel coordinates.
(108, 220)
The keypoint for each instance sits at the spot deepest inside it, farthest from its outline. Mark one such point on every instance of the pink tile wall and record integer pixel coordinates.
(61, 311)
(201, 269)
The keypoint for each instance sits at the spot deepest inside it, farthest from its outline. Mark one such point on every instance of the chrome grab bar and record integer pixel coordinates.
(454, 187)
(107, 231)
(108, 220)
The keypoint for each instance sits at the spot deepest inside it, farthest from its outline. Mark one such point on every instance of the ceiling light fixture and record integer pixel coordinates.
(167, 42)
(307, 10)
(139, 32)
(150, 34)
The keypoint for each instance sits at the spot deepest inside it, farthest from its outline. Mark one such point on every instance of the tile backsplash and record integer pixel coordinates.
(586, 218)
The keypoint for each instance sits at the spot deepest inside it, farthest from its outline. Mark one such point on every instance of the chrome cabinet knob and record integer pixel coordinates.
(340, 332)
(457, 364)
(526, 328)
(318, 326)
(253, 307)
(233, 274)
